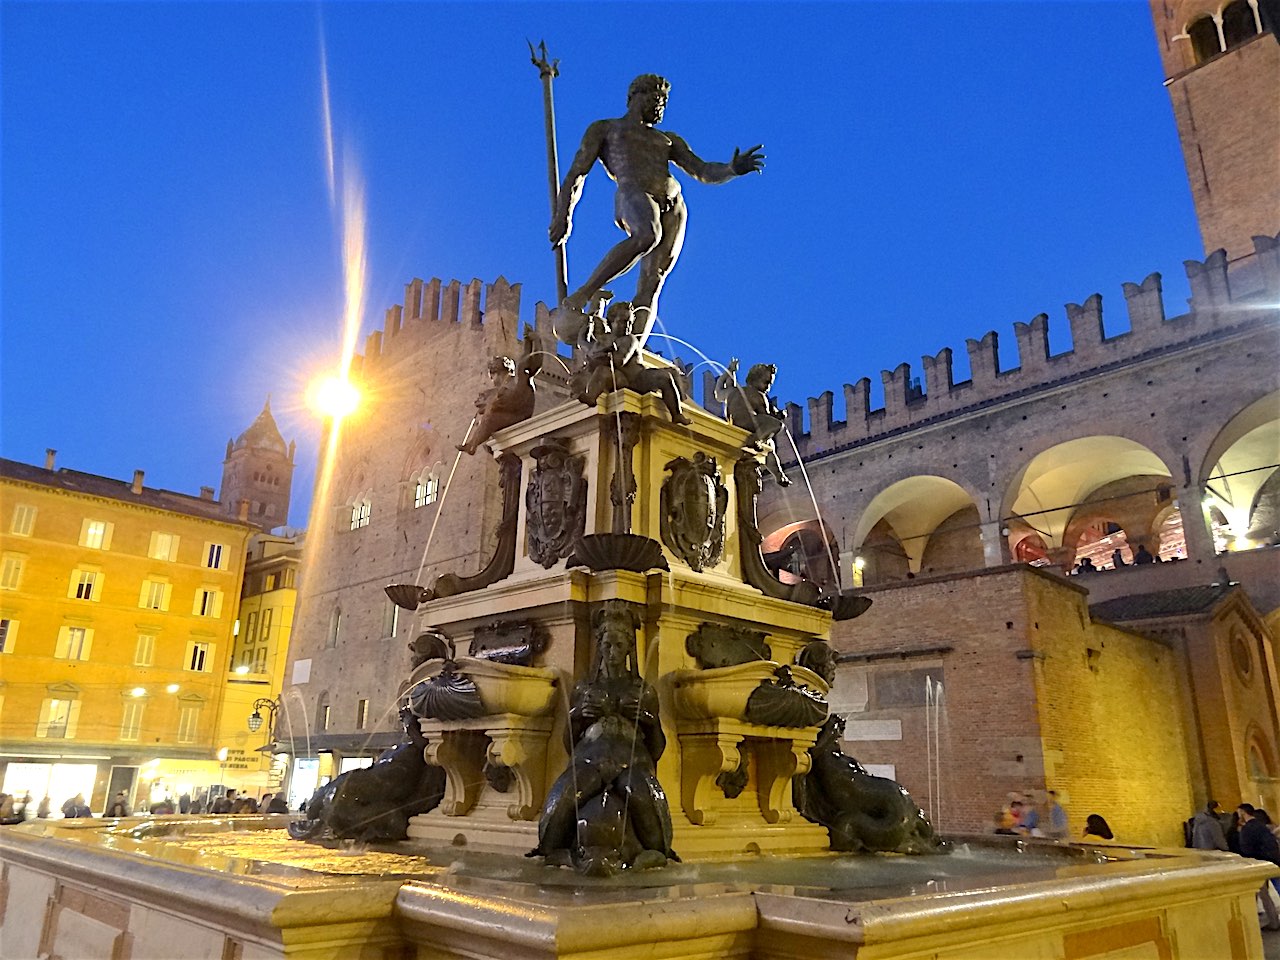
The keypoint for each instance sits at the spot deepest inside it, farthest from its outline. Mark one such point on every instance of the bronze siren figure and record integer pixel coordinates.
(648, 205)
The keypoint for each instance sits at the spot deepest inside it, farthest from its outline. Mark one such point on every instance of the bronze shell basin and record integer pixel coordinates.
(503, 687)
(618, 551)
(846, 605)
(724, 691)
(408, 596)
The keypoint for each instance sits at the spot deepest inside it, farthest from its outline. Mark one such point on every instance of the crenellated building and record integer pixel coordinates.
(377, 517)
(1101, 444)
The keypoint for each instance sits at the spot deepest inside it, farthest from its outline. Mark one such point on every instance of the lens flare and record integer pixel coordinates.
(334, 397)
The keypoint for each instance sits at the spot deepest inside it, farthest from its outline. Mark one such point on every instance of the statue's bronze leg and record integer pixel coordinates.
(637, 213)
(657, 264)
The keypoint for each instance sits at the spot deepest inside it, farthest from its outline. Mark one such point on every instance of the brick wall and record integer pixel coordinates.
(1112, 720)
(1026, 707)
(1228, 114)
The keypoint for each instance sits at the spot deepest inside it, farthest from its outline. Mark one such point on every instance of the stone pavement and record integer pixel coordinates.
(1271, 944)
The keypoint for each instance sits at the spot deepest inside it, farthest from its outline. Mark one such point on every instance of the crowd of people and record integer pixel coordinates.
(14, 810)
(1023, 817)
(1248, 831)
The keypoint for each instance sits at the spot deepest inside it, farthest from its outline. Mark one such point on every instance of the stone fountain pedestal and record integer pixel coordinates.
(623, 467)
(173, 888)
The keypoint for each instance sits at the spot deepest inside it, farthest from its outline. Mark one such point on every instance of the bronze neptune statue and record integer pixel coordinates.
(648, 205)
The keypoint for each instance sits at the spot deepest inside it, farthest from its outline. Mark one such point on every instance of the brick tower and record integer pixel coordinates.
(1222, 68)
(259, 469)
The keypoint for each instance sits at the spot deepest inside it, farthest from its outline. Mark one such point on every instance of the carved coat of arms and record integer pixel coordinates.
(555, 503)
(694, 499)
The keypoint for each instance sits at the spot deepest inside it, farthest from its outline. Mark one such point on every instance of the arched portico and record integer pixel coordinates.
(1239, 477)
(914, 520)
(1091, 495)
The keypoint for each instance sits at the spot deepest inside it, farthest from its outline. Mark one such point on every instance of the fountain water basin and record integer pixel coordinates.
(238, 887)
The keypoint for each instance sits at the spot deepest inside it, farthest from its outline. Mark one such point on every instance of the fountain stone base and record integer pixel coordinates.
(238, 887)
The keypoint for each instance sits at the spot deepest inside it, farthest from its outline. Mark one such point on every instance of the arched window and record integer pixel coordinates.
(361, 511)
(335, 627)
(426, 489)
(1204, 39)
(322, 711)
(1238, 24)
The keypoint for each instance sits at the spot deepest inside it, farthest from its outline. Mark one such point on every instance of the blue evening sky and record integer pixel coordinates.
(171, 256)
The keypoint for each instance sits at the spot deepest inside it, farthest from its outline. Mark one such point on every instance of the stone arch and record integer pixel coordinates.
(1205, 40)
(1239, 23)
(418, 453)
(1083, 479)
(909, 512)
(1238, 475)
(1259, 756)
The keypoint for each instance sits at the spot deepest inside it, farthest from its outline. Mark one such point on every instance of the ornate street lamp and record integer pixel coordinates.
(255, 718)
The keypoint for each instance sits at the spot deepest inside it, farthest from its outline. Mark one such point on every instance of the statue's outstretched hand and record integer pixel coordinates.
(750, 162)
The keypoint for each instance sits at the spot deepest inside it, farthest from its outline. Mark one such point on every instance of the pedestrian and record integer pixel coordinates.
(224, 803)
(1097, 828)
(7, 813)
(1008, 820)
(1057, 817)
(278, 804)
(1029, 822)
(1259, 843)
(184, 803)
(119, 806)
(45, 810)
(76, 807)
(1206, 828)
(1143, 555)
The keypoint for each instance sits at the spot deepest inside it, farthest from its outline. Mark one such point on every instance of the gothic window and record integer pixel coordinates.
(426, 490)
(335, 627)
(1204, 39)
(361, 510)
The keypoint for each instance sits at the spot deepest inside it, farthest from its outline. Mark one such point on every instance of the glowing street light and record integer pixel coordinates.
(255, 718)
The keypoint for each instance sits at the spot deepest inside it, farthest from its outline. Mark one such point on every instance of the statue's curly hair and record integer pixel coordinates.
(761, 372)
(646, 82)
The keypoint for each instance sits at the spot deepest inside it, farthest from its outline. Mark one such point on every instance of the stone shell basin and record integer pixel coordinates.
(722, 692)
(504, 687)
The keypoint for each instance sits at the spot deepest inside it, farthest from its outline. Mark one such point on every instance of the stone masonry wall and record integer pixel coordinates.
(419, 375)
(1026, 706)
(1112, 722)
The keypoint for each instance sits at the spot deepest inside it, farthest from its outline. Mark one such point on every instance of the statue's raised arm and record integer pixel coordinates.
(571, 190)
(742, 163)
(648, 206)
